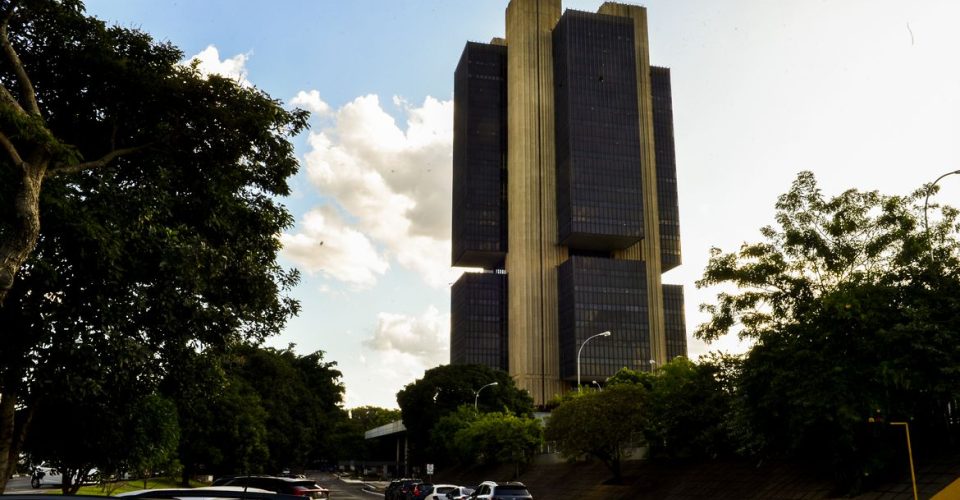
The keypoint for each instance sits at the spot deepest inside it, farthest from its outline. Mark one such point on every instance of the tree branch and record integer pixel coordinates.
(7, 97)
(11, 150)
(68, 168)
(26, 86)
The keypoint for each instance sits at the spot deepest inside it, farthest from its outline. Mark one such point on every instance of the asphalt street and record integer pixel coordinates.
(338, 489)
(344, 490)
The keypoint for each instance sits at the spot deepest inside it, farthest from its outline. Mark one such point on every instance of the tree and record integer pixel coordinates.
(853, 313)
(301, 397)
(443, 436)
(152, 437)
(600, 424)
(348, 436)
(156, 187)
(443, 389)
(689, 408)
(497, 437)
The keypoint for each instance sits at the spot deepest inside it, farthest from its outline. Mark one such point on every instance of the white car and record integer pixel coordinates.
(488, 490)
(449, 492)
(44, 475)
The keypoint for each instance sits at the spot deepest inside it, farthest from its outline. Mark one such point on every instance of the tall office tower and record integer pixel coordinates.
(564, 193)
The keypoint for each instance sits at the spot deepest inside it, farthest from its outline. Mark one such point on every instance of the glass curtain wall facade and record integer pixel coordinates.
(478, 320)
(666, 169)
(479, 157)
(599, 196)
(569, 111)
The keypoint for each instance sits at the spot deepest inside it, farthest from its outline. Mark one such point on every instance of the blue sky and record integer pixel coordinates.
(865, 93)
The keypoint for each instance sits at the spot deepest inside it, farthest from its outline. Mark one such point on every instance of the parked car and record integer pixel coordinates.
(44, 475)
(204, 493)
(420, 491)
(488, 490)
(449, 492)
(399, 489)
(285, 485)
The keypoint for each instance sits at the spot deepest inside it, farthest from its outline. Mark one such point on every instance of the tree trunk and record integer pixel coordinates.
(8, 407)
(24, 228)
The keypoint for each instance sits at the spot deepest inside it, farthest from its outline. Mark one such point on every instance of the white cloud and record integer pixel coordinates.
(311, 102)
(401, 349)
(328, 246)
(425, 337)
(393, 182)
(210, 63)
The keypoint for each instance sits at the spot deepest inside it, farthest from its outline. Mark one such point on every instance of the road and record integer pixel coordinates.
(21, 485)
(340, 490)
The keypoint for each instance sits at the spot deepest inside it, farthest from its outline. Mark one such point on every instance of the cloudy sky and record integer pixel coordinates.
(865, 93)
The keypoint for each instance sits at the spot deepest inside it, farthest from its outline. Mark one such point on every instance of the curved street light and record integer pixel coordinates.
(604, 334)
(476, 394)
(926, 201)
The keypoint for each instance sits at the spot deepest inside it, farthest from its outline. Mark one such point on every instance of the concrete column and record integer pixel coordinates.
(532, 250)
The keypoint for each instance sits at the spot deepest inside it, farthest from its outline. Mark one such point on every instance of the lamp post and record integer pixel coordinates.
(926, 201)
(604, 334)
(476, 394)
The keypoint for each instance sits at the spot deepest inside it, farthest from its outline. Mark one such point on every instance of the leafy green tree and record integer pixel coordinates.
(349, 441)
(443, 436)
(445, 388)
(157, 191)
(629, 376)
(854, 315)
(689, 408)
(370, 417)
(152, 438)
(115, 432)
(500, 438)
(301, 397)
(600, 424)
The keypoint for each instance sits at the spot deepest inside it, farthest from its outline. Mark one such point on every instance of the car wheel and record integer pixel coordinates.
(35, 482)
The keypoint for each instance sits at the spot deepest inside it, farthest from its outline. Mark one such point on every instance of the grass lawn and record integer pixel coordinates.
(132, 485)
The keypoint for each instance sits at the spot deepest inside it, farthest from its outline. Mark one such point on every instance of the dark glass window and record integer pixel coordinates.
(598, 295)
(479, 157)
(675, 326)
(478, 320)
(599, 195)
(666, 168)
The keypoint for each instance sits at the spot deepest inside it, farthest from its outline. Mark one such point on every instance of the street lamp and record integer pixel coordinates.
(476, 394)
(604, 334)
(926, 201)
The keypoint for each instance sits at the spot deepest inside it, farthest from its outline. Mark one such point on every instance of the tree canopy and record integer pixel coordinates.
(445, 388)
(855, 313)
(156, 188)
(602, 424)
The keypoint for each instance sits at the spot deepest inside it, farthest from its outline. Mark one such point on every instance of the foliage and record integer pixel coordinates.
(600, 424)
(854, 315)
(500, 438)
(629, 376)
(443, 436)
(152, 438)
(301, 397)
(689, 408)
(116, 433)
(150, 256)
(370, 417)
(348, 436)
(443, 389)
